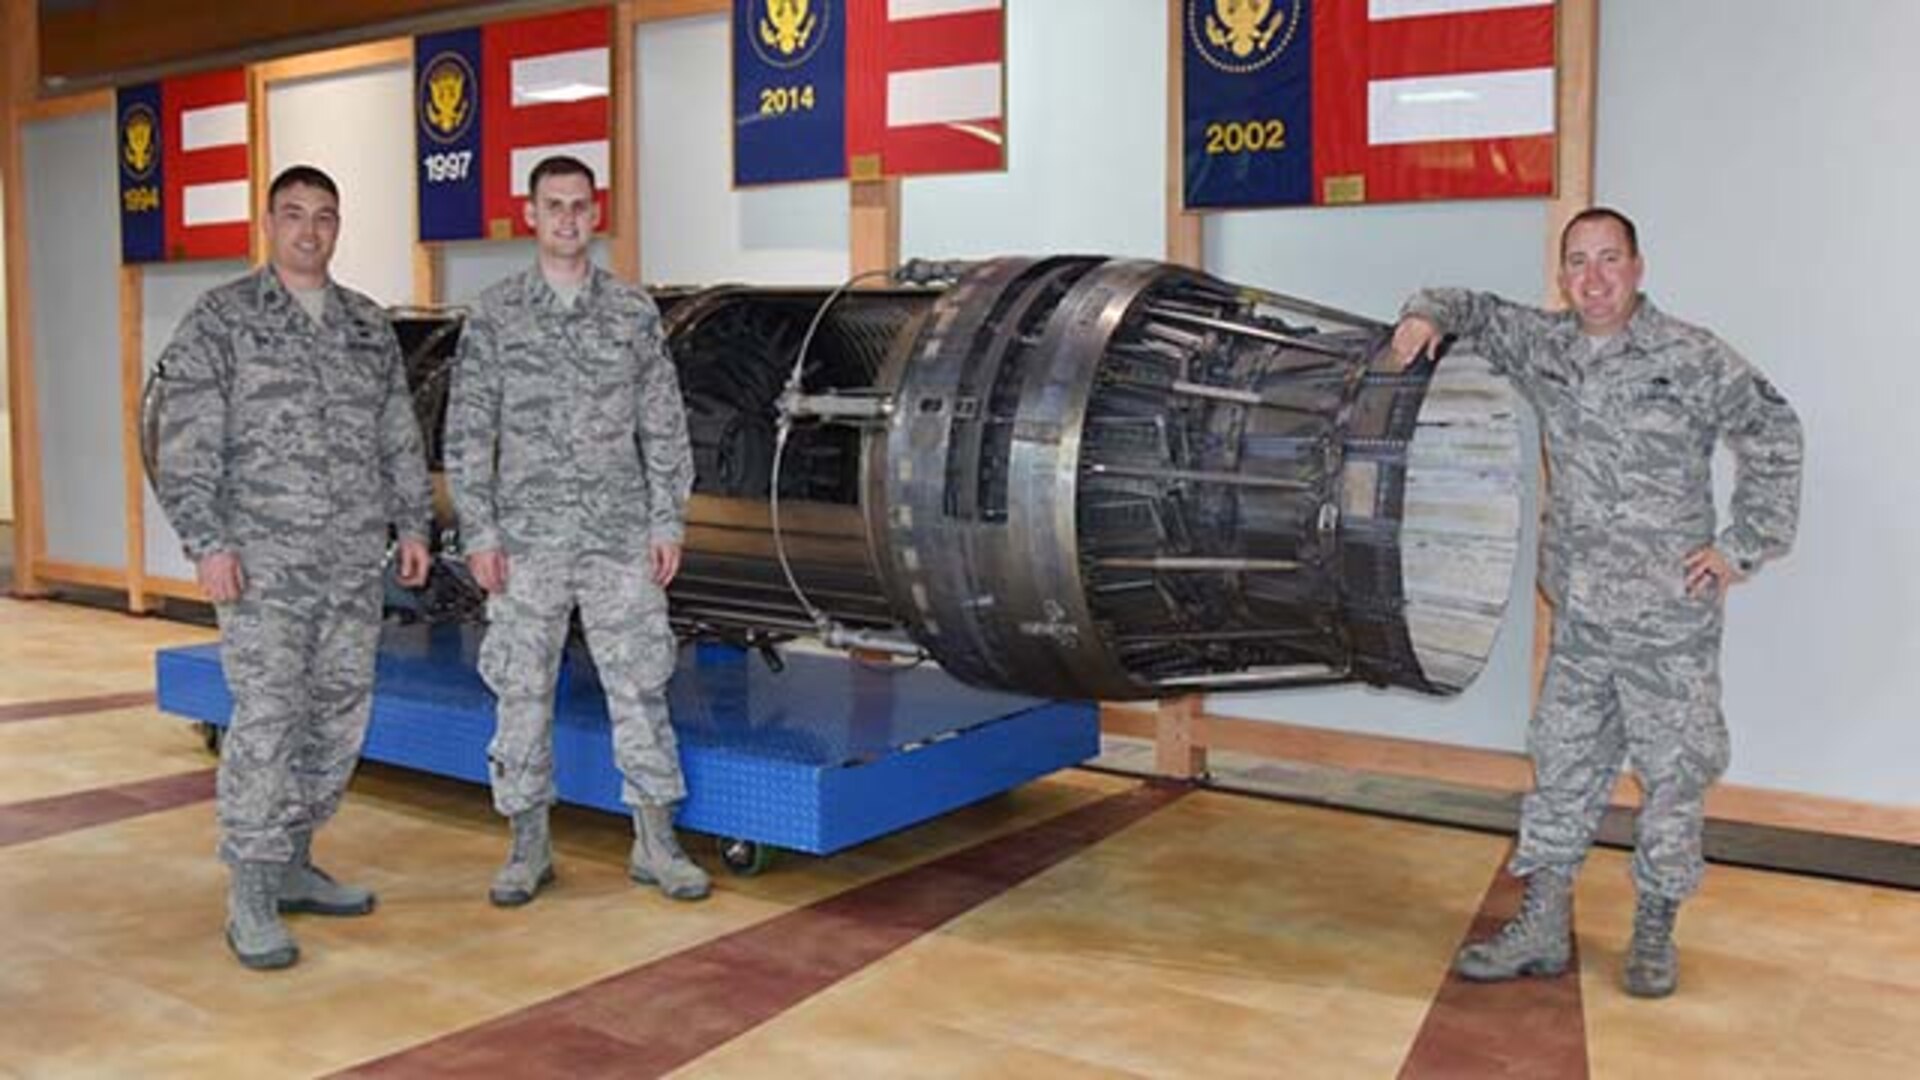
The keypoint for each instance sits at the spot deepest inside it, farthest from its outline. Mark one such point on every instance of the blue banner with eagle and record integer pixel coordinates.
(447, 91)
(789, 91)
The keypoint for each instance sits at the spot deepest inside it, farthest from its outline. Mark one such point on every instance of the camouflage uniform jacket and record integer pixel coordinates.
(547, 403)
(290, 442)
(1630, 429)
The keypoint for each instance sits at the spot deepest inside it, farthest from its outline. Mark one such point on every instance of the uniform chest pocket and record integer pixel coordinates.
(270, 392)
(360, 379)
(1655, 406)
(611, 415)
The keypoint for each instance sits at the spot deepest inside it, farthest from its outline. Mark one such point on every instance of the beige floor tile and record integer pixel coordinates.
(96, 750)
(58, 650)
(1216, 938)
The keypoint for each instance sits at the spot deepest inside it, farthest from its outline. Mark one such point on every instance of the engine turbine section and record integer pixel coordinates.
(1084, 477)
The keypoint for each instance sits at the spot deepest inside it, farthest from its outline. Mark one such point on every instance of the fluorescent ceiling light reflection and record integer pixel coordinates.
(1435, 97)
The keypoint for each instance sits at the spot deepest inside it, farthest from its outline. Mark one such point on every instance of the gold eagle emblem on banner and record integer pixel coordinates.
(1241, 26)
(1240, 36)
(787, 33)
(138, 147)
(446, 97)
(787, 25)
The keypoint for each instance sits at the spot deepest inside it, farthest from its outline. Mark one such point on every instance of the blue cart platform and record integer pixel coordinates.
(826, 754)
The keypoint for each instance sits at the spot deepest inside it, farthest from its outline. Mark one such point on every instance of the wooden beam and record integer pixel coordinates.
(335, 61)
(259, 163)
(659, 10)
(428, 275)
(175, 589)
(1185, 230)
(22, 18)
(875, 226)
(624, 200)
(1577, 24)
(72, 573)
(1503, 771)
(54, 108)
(1579, 51)
(133, 474)
(123, 41)
(29, 537)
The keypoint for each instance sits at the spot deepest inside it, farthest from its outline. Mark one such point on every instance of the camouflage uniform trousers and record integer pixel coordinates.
(1609, 698)
(625, 617)
(298, 652)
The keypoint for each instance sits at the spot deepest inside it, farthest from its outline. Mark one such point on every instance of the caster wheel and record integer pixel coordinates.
(744, 857)
(210, 735)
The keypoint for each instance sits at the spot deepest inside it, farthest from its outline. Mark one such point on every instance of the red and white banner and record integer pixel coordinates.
(546, 89)
(208, 200)
(184, 165)
(1424, 99)
(925, 87)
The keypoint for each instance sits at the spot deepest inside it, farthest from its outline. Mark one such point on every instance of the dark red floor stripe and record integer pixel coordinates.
(42, 710)
(24, 822)
(655, 1018)
(1527, 1027)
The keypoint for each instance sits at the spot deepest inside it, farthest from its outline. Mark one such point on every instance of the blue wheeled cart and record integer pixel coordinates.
(826, 754)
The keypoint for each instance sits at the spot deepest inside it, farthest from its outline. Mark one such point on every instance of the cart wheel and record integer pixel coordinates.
(745, 857)
(210, 735)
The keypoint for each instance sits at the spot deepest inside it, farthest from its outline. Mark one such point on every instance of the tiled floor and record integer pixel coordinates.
(1084, 925)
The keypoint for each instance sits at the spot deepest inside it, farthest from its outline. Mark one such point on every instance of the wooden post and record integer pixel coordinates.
(427, 275)
(29, 541)
(623, 200)
(259, 161)
(133, 471)
(875, 226)
(1579, 50)
(1578, 47)
(1178, 753)
(1185, 230)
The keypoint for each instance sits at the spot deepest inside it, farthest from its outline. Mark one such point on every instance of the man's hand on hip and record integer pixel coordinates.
(1709, 573)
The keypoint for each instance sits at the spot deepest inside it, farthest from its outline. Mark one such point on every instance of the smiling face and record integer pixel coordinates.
(1600, 274)
(562, 214)
(303, 224)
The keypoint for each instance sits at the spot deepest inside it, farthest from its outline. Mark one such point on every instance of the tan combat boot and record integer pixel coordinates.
(1538, 941)
(1653, 963)
(309, 889)
(256, 935)
(529, 865)
(658, 860)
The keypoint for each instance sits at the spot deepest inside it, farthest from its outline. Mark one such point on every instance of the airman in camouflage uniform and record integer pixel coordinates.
(560, 370)
(1631, 403)
(287, 446)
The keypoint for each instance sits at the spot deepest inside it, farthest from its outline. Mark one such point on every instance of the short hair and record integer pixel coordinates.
(1602, 213)
(305, 176)
(558, 165)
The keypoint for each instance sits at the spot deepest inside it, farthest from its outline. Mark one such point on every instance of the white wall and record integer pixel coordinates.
(1765, 148)
(358, 128)
(1087, 132)
(73, 256)
(695, 229)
